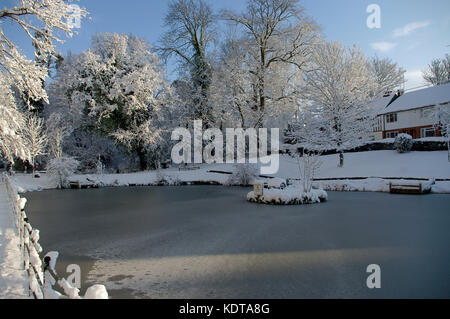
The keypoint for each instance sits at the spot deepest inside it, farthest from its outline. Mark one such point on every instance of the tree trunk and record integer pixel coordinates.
(142, 158)
(448, 148)
(262, 84)
(448, 141)
(341, 159)
(33, 162)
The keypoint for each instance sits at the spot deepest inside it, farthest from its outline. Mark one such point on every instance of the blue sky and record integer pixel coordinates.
(412, 32)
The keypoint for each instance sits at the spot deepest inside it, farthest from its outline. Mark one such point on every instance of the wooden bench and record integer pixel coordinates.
(396, 188)
(75, 185)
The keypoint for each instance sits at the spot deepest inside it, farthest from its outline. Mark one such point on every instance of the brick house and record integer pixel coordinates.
(410, 113)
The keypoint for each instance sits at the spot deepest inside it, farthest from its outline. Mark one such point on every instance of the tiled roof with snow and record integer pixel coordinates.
(427, 97)
(380, 104)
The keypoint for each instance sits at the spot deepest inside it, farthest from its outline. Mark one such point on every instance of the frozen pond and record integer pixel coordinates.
(208, 242)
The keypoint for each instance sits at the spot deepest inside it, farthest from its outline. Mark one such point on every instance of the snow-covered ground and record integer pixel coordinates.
(378, 164)
(378, 167)
(13, 278)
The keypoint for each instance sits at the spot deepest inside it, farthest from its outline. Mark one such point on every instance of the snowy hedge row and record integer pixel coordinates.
(289, 196)
(419, 145)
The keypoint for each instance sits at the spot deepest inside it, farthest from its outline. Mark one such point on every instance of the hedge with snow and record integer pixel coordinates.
(289, 196)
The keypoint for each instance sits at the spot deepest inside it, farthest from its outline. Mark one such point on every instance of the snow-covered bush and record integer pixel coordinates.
(161, 179)
(96, 292)
(289, 196)
(243, 175)
(60, 169)
(403, 143)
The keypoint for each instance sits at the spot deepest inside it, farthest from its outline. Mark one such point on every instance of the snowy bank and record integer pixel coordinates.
(288, 196)
(376, 164)
(379, 185)
(373, 172)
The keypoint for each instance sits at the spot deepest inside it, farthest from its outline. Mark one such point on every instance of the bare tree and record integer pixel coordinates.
(438, 71)
(278, 32)
(387, 73)
(231, 88)
(35, 138)
(190, 31)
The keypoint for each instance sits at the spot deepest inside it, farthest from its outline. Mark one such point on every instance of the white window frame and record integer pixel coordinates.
(423, 132)
(392, 118)
(392, 134)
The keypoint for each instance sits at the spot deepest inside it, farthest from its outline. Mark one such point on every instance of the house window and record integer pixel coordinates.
(391, 134)
(391, 118)
(427, 132)
(379, 125)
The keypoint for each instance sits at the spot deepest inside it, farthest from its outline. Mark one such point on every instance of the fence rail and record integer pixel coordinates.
(42, 277)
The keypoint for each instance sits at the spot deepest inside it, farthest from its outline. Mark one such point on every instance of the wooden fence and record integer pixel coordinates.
(42, 276)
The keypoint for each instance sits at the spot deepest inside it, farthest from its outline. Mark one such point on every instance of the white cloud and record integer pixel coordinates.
(409, 28)
(383, 47)
(414, 79)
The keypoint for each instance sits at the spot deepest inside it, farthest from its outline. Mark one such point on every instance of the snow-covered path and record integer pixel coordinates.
(13, 279)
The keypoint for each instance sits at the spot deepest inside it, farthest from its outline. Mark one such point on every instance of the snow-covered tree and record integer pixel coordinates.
(279, 39)
(306, 131)
(120, 89)
(58, 128)
(387, 73)
(190, 33)
(60, 169)
(88, 147)
(231, 90)
(438, 71)
(308, 165)
(35, 137)
(337, 91)
(41, 20)
(12, 144)
(234, 91)
(441, 116)
(184, 104)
